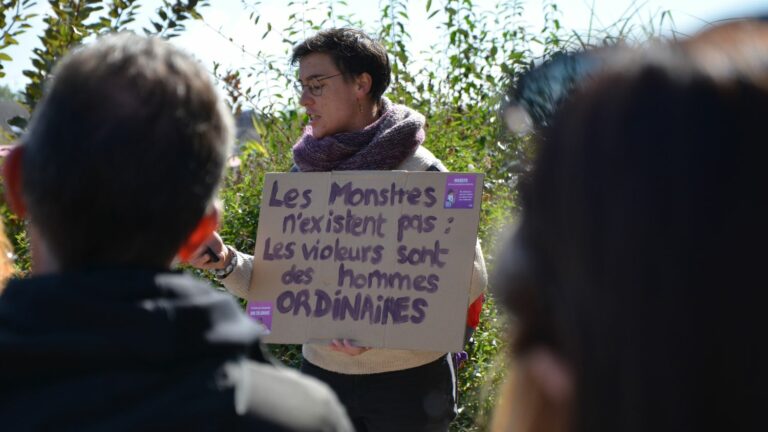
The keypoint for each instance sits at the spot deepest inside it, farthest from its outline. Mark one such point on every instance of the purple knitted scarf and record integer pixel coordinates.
(382, 145)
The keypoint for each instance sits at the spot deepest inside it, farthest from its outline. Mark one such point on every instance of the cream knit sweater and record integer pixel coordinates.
(375, 360)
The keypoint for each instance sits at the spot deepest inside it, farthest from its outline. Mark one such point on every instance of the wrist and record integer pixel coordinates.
(230, 262)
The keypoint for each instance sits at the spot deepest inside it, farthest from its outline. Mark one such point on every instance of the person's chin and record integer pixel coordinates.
(318, 133)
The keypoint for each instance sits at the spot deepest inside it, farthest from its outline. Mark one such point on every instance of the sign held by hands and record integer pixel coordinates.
(383, 258)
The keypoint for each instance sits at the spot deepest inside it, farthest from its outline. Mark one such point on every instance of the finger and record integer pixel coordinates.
(200, 255)
(198, 262)
(212, 255)
(215, 243)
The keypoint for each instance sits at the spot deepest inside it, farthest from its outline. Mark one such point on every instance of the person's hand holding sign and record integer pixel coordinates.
(347, 347)
(211, 255)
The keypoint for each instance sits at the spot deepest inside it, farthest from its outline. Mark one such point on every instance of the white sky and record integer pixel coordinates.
(230, 18)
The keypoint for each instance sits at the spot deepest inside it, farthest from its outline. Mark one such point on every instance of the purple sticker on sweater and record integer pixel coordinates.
(460, 191)
(261, 312)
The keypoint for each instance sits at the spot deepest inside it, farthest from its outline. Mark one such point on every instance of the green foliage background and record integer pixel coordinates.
(458, 84)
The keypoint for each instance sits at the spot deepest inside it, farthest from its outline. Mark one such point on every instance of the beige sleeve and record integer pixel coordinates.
(479, 275)
(239, 281)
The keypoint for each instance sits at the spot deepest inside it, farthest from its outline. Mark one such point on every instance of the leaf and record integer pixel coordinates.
(5, 57)
(269, 29)
(258, 126)
(19, 122)
(260, 148)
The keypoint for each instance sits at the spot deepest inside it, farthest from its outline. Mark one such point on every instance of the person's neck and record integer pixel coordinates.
(369, 113)
(43, 261)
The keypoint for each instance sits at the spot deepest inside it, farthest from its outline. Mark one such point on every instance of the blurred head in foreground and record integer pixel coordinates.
(121, 162)
(634, 276)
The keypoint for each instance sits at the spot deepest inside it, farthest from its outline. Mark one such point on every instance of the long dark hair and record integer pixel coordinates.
(640, 253)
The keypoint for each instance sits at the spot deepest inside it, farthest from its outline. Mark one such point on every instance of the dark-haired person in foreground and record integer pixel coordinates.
(636, 273)
(117, 176)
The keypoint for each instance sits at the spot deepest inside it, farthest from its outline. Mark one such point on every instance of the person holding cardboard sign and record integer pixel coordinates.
(343, 74)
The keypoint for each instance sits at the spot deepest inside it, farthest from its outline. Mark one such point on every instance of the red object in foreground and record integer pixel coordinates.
(473, 314)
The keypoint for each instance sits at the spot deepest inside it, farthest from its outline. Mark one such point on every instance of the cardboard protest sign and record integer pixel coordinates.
(383, 258)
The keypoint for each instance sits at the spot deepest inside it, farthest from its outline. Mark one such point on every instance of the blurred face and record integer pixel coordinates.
(333, 108)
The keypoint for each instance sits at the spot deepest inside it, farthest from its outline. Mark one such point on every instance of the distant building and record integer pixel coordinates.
(244, 132)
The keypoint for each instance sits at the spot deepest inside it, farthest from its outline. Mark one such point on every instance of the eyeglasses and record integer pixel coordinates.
(313, 85)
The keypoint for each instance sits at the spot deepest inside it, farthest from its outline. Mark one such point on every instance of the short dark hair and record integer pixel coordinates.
(636, 257)
(353, 52)
(124, 153)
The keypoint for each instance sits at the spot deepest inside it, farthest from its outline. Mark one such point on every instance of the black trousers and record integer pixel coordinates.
(420, 399)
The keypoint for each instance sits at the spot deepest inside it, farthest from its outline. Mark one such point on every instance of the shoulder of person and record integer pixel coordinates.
(422, 160)
(283, 397)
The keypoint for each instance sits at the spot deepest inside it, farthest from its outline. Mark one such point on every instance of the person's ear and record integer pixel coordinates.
(363, 83)
(12, 169)
(207, 225)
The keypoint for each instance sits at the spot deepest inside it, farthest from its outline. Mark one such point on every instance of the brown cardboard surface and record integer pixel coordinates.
(339, 255)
